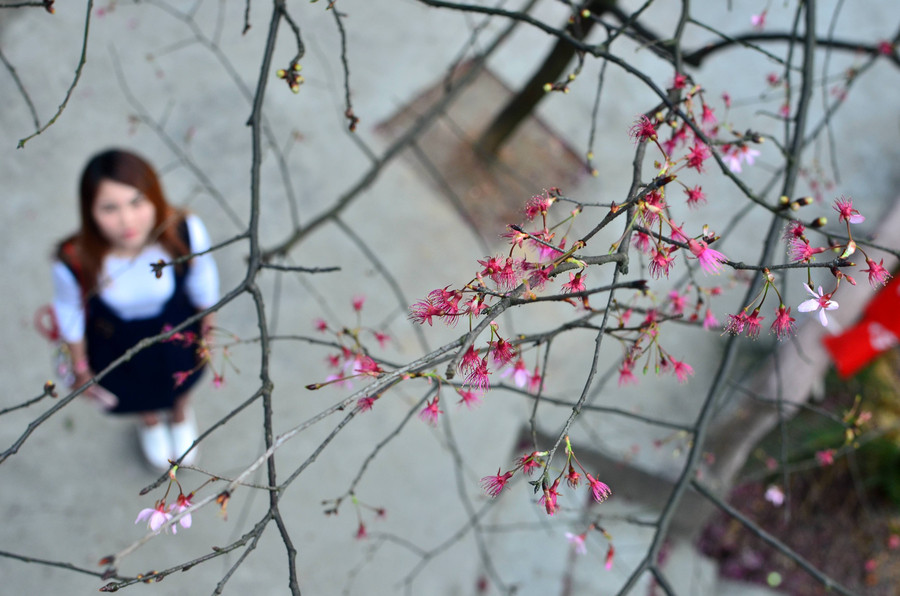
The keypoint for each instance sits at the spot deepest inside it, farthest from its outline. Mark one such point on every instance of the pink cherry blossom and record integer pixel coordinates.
(846, 211)
(677, 302)
(540, 276)
(530, 462)
(708, 118)
(735, 155)
(478, 376)
(470, 360)
(381, 338)
(710, 260)
(820, 302)
(599, 490)
(180, 377)
(364, 365)
(493, 485)
(825, 457)
(758, 21)
(626, 373)
(682, 370)
(754, 324)
(575, 283)
(155, 516)
(878, 275)
(735, 323)
(538, 205)
(469, 398)
(430, 412)
(800, 251)
(502, 352)
(697, 155)
(519, 372)
(549, 499)
(361, 533)
(182, 503)
(775, 495)
(577, 540)
(661, 262)
(535, 380)
(643, 130)
(794, 229)
(423, 311)
(641, 242)
(783, 325)
(695, 196)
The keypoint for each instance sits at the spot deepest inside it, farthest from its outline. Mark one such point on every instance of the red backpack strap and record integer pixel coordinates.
(68, 256)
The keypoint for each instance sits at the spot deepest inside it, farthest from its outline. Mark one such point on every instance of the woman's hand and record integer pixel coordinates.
(96, 393)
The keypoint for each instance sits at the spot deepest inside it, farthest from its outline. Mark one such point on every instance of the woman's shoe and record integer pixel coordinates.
(156, 445)
(183, 436)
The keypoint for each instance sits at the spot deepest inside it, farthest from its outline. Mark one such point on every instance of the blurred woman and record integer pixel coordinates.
(107, 298)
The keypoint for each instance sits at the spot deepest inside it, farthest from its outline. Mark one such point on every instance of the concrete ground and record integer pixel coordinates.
(71, 493)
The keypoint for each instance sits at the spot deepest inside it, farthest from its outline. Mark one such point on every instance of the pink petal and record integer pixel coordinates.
(808, 305)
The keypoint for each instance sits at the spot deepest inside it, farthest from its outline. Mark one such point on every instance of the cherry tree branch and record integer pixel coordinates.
(81, 62)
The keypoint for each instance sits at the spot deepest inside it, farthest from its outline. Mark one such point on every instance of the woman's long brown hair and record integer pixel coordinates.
(88, 247)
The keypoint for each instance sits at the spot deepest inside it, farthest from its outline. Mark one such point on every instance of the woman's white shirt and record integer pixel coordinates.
(131, 289)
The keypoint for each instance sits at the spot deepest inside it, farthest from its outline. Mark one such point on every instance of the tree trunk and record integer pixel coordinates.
(523, 103)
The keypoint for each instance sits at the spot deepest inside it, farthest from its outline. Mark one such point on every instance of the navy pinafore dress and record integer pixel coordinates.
(147, 381)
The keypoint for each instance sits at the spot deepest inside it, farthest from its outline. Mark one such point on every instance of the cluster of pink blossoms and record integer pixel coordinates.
(204, 356)
(500, 352)
(664, 363)
(800, 250)
(530, 265)
(735, 154)
(493, 485)
(782, 326)
(159, 514)
(578, 542)
(352, 361)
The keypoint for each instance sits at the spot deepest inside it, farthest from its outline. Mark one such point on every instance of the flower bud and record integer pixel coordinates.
(280, 73)
(818, 222)
(851, 248)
